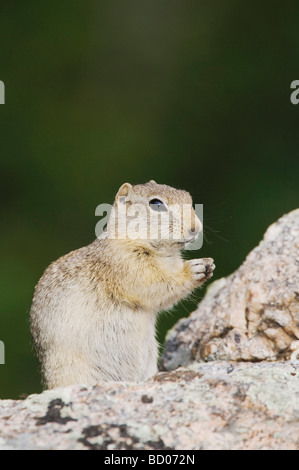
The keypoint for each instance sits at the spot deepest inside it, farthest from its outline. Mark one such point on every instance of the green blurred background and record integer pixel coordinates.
(193, 94)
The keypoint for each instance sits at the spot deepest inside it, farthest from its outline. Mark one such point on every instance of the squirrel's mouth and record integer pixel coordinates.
(186, 240)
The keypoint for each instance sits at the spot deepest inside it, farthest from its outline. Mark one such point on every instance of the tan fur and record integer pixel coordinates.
(94, 310)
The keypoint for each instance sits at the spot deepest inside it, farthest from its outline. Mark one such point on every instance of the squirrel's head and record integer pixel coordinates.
(155, 213)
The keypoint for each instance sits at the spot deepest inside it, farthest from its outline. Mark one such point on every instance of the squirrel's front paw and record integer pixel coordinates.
(202, 269)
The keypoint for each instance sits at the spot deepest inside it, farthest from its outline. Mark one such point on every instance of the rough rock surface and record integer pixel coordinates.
(253, 314)
(205, 406)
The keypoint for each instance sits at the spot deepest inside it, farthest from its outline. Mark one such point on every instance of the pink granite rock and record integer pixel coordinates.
(215, 405)
(253, 314)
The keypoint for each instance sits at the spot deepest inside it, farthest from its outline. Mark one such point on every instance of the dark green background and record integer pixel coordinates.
(193, 94)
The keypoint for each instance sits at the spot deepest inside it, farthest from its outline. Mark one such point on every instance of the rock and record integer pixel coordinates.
(215, 405)
(253, 314)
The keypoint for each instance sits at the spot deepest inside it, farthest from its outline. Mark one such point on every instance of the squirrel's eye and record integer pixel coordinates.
(157, 205)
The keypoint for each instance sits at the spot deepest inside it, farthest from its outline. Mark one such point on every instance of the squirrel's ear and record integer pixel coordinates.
(124, 190)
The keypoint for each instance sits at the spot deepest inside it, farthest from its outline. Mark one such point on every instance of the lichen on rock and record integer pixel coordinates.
(214, 405)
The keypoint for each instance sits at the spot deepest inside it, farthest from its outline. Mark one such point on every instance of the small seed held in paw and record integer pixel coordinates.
(208, 269)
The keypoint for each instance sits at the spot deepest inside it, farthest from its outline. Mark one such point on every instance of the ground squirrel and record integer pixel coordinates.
(94, 310)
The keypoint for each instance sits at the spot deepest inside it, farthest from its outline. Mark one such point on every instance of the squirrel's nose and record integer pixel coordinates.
(195, 227)
(194, 232)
